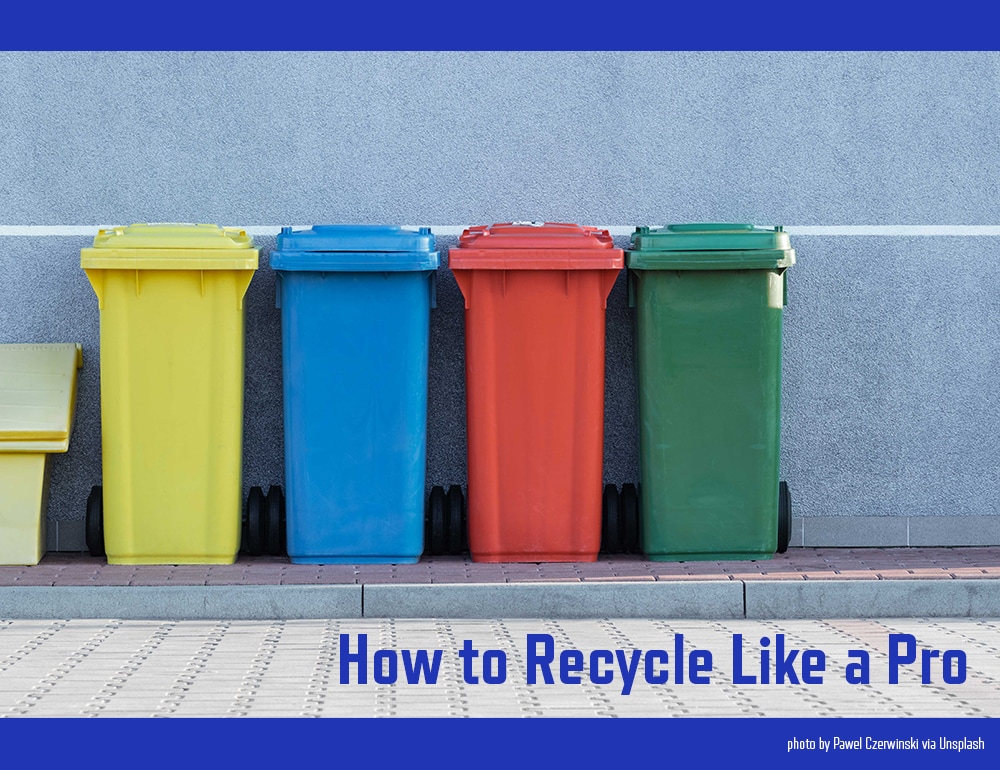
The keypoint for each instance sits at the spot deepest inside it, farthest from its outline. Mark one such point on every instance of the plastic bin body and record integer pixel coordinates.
(708, 352)
(535, 298)
(37, 404)
(355, 326)
(172, 358)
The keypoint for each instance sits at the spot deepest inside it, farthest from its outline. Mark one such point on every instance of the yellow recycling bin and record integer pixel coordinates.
(172, 338)
(37, 400)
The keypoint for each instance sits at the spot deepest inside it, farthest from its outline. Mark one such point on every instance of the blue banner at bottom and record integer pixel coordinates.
(487, 743)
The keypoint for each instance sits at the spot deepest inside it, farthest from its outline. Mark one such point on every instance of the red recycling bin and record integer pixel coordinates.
(535, 299)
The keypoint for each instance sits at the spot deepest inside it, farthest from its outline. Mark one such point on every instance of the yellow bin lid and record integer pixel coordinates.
(171, 246)
(37, 396)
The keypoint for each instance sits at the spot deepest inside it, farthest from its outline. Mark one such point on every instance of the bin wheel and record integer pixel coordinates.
(284, 526)
(784, 516)
(436, 541)
(427, 524)
(254, 525)
(456, 530)
(610, 541)
(275, 525)
(628, 511)
(95, 521)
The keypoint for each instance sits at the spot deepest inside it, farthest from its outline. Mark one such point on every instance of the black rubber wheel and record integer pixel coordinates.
(427, 524)
(784, 517)
(436, 543)
(254, 524)
(610, 539)
(275, 515)
(465, 526)
(456, 506)
(95, 521)
(284, 526)
(628, 511)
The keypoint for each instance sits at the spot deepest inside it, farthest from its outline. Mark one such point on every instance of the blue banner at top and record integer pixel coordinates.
(518, 25)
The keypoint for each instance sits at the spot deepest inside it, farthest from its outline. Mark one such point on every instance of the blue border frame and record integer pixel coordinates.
(484, 743)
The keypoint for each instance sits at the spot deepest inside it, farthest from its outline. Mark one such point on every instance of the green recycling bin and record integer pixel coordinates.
(708, 304)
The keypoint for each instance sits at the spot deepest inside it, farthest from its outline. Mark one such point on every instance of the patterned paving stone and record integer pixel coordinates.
(293, 668)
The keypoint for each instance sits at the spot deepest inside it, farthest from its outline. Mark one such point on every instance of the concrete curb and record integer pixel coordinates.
(829, 599)
(715, 599)
(181, 602)
(689, 599)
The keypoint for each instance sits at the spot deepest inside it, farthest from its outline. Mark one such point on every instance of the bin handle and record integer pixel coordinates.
(784, 287)
(243, 278)
(464, 280)
(433, 288)
(97, 284)
(608, 280)
(277, 289)
(631, 288)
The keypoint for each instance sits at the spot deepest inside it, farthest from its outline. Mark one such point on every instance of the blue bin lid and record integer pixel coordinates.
(355, 248)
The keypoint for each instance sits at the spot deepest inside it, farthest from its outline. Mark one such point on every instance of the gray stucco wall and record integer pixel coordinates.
(891, 416)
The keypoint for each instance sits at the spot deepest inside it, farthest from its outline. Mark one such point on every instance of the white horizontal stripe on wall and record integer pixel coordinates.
(961, 231)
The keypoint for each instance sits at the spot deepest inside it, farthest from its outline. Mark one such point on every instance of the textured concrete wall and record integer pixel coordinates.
(891, 343)
(455, 138)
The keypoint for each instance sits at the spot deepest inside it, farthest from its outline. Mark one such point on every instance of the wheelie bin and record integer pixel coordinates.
(37, 402)
(172, 358)
(355, 306)
(535, 298)
(708, 304)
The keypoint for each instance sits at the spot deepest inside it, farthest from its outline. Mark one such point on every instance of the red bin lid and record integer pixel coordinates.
(535, 246)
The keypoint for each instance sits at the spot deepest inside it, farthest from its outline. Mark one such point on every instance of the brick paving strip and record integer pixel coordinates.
(77, 569)
(802, 583)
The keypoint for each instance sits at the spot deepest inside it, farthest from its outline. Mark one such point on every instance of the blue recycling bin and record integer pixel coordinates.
(355, 306)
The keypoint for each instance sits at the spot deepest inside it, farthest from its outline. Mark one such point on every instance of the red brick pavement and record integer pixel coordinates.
(77, 569)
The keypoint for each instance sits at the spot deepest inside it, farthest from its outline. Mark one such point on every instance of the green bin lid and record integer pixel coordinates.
(710, 246)
(171, 246)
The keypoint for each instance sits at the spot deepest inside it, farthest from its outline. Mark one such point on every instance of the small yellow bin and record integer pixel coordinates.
(37, 400)
(172, 339)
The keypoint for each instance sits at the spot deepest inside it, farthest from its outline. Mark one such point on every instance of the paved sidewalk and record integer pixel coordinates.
(268, 639)
(802, 583)
(293, 669)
